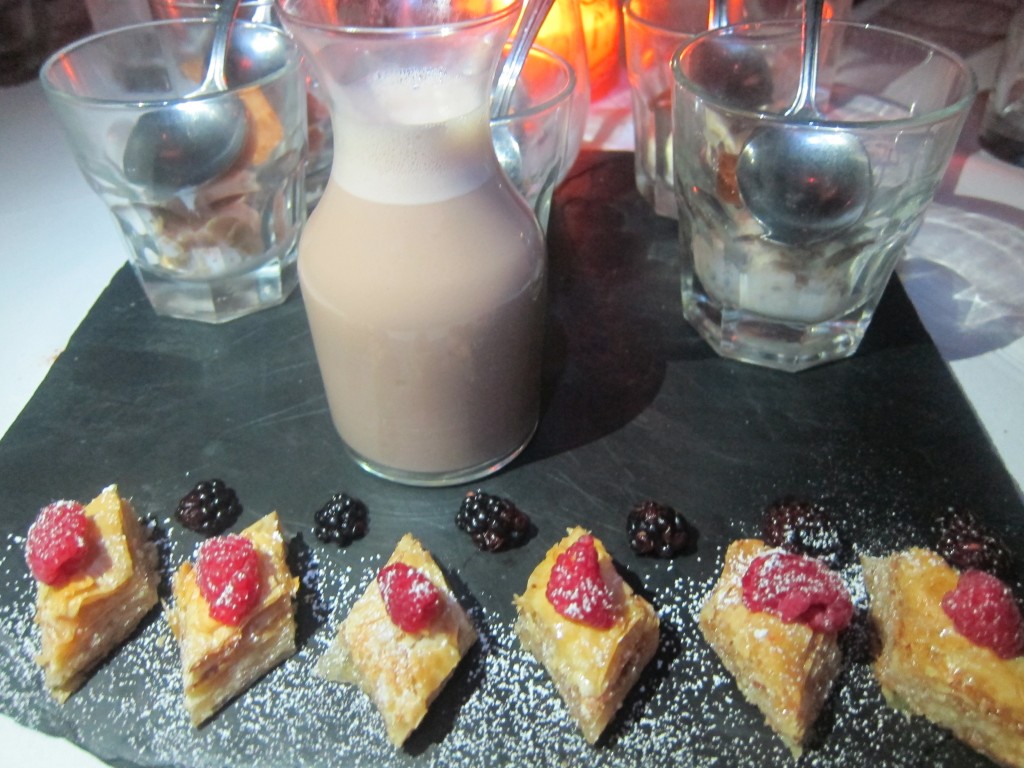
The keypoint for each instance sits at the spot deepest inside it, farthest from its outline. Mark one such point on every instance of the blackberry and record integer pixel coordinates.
(342, 520)
(209, 508)
(657, 529)
(966, 544)
(492, 522)
(803, 528)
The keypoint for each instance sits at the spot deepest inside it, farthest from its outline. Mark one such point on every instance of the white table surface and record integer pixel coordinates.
(59, 247)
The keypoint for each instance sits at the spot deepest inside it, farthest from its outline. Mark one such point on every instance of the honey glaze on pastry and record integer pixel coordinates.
(927, 667)
(784, 663)
(102, 581)
(402, 639)
(248, 627)
(587, 628)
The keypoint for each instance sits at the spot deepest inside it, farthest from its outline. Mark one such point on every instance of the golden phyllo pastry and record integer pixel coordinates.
(927, 667)
(102, 581)
(402, 640)
(233, 615)
(588, 629)
(784, 665)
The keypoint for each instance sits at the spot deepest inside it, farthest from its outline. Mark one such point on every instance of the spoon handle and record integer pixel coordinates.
(718, 15)
(215, 80)
(533, 16)
(810, 39)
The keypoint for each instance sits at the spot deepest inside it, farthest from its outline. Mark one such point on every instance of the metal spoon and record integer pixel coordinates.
(804, 184)
(196, 139)
(533, 17)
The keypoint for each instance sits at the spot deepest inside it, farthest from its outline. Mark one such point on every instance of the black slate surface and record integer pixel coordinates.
(636, 407)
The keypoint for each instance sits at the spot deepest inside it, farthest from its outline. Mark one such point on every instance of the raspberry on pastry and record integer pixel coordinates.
(410, 597)
(588, 629)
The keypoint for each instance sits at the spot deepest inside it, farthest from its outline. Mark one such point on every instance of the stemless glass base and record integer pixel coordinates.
(224, 299)
(443, 477)
(784, 345)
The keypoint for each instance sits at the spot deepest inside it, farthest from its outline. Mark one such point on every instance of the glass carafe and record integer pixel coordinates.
(422, 269)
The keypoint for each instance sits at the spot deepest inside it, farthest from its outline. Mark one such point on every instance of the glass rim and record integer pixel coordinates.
(52, 61)
(629, 14)
(563, 94)
(210, 4)
(441, 29)
(940, 114)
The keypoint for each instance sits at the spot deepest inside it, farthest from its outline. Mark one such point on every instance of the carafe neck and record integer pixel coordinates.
(409, 93)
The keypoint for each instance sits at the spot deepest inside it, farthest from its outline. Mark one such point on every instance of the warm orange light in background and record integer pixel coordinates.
(601, 22)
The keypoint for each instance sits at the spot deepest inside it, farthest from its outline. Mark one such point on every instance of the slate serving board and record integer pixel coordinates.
(636, 407)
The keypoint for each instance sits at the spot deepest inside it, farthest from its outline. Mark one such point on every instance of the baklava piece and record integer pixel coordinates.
(588, 629)
(951, 649)
(96, 575)
(774, 618)
(402, 640)
(233, 615)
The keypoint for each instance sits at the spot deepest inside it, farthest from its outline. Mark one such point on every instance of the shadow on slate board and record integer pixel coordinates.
(636, 406)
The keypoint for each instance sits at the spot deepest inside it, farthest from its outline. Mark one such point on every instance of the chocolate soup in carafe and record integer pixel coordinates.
(422, 270)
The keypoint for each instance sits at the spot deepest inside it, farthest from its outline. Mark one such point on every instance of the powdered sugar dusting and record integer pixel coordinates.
(500, 707)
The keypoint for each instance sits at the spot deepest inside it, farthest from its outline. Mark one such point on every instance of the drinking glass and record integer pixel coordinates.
(212, 249)
(792, 305)
(22, 40)
(1002, 127)
(562, 34)
(532, 141)
(653, 30)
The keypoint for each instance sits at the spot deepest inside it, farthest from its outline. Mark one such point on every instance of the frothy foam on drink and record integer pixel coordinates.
(410, 136)
(421, 95)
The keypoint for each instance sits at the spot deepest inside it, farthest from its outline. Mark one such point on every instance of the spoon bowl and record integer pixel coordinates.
(184, 145)
(804, 182)
(804, 185)
(197, 138)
